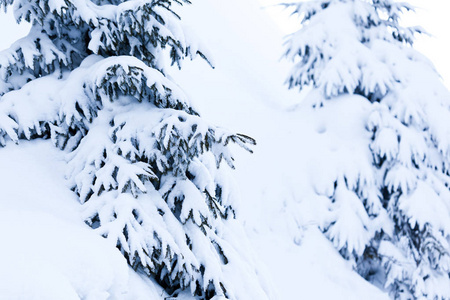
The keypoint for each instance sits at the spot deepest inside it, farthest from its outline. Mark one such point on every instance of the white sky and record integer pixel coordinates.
(431, 14)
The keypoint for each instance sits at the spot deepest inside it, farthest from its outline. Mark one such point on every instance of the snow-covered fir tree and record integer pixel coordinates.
(150, 172)
(391, 213)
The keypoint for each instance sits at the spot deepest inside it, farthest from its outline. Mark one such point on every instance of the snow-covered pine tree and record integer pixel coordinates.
(391, 214)
(90, 76)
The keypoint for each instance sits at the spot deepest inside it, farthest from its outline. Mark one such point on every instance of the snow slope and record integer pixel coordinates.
(297, 146)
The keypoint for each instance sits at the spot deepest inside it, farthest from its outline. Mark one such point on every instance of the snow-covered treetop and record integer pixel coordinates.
(69, 31)
(66, 35)
(332, 48)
